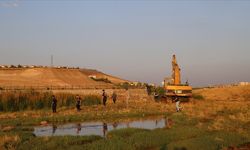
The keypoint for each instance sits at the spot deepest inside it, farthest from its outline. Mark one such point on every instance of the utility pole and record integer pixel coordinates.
(51, 63)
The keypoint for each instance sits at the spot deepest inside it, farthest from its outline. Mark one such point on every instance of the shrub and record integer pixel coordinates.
(125, 85)
(198, 97)
(39, 104)
(12, 66)
(70, 101)
(47, 99)
(91, 100)
(159, 92)
(1, 105)
(106, 80)
(150, 89)
(11, 104)
(23, 103)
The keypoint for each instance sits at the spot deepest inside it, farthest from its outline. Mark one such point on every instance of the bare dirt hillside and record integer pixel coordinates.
(98, 74)
(47, 77)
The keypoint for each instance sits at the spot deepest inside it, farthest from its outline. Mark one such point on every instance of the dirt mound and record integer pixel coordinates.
(47, 77)
(98, 74)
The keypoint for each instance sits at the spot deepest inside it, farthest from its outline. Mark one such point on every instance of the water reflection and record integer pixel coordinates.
(115, 124)
(100, 128)
(105, 129)
(168, 123)
(78, 128)
(54, 127)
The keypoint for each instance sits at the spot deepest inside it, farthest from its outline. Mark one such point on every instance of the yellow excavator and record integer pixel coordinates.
(173, 84)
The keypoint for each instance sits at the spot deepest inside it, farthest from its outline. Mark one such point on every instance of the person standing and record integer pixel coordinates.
(177, 103)
(78, 103)
(54, 103)
(127, 96)
(114, 97)
(104, 97)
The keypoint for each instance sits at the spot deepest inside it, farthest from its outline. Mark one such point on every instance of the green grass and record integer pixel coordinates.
(114, 143)
(126, 132)
(81, 117)
(210, 141)
(184, 134)
(58, 143)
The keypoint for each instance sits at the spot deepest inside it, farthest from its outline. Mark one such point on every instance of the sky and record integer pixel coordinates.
(134, 40)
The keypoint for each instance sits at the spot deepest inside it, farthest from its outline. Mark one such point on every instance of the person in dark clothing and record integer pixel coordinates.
(54, 103)
(78, 103)
(104, 97)
(114, 97)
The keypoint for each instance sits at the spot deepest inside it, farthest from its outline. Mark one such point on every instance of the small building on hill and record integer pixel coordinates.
(244, 83)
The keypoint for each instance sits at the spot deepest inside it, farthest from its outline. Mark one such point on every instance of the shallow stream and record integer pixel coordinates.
(97, 128)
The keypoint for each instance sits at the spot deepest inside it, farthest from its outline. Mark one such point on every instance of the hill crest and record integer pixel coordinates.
(53, 77)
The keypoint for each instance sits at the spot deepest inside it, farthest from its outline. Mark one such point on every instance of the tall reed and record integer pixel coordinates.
(34, 100)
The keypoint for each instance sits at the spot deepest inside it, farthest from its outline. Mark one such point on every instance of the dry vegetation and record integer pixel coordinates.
(218, 117)
(225, 106)
(47, 77)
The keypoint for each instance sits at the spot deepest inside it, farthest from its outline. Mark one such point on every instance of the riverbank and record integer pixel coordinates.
(209, 121)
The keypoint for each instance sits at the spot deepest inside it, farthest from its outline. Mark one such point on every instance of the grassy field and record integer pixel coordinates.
(217, 118)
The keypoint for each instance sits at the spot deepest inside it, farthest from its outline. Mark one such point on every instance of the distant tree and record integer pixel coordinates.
(125, 85)
(149, 90)
(12, 66)
(139, 84)
(19, 66)
(160, 92)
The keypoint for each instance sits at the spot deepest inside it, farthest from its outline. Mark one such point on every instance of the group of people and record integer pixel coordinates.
(54, 103)
(105, 98)
(79, 100)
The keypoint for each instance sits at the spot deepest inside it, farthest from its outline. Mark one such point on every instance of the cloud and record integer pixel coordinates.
(10, 3)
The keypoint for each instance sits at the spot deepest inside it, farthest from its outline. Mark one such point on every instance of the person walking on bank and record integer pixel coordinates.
(114, 97)
(177, 103)
(104, 97)
(78, 103)
(54, 103)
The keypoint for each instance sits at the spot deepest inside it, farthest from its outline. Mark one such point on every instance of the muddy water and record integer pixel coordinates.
(97, 128)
